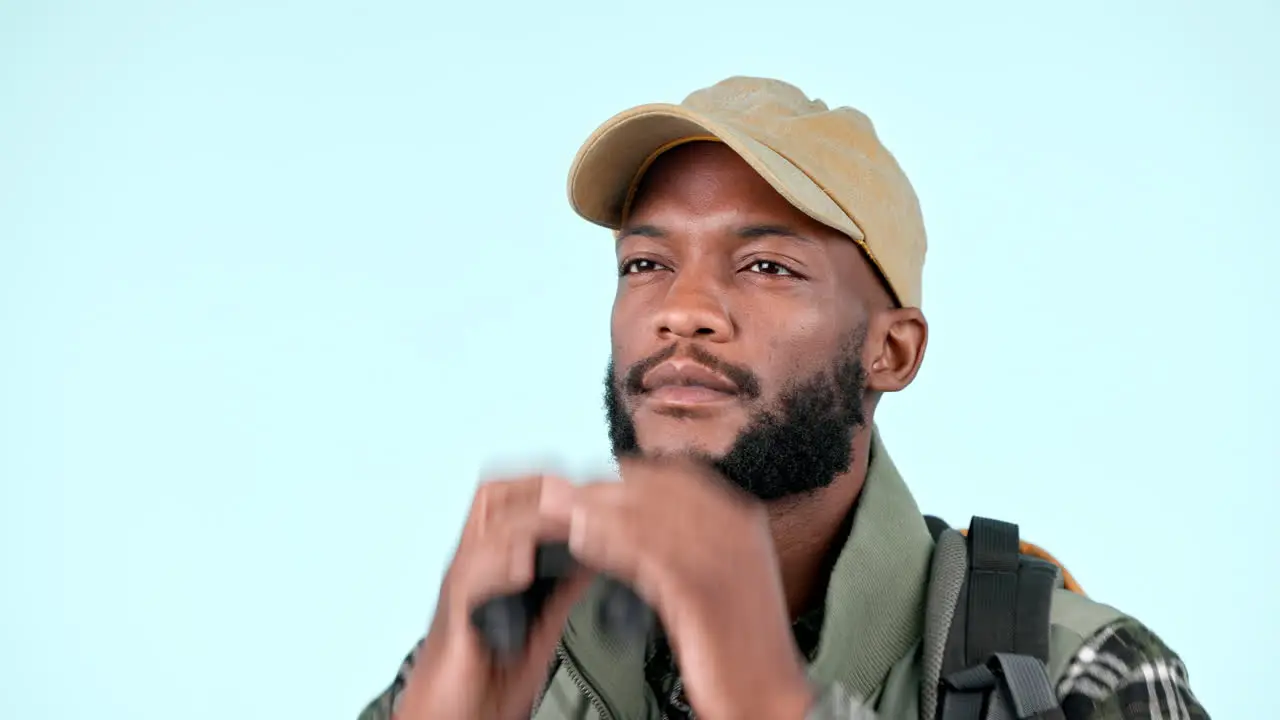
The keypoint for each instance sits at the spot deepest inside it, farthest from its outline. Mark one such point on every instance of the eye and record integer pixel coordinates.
(640, 265)
(768, 267)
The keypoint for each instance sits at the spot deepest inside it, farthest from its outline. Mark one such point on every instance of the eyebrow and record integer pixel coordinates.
(746, 232)
(648, 231)
(752, 232)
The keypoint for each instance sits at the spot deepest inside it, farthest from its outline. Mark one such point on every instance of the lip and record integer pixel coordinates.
(687, 395)
(687, 383)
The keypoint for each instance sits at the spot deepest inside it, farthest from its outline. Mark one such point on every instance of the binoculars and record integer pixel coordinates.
(504, 622)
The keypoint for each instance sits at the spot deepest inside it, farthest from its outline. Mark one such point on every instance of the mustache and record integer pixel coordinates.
(748, 384)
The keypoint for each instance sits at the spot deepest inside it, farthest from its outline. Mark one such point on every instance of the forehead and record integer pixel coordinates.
(707, 178)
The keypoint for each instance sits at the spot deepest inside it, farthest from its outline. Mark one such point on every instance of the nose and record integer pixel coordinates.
(695, 307)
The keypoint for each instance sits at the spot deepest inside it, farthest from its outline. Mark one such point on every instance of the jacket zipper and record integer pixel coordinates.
(546, 686)
(583, 687)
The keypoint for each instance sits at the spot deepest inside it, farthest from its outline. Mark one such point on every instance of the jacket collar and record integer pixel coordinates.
(875, 599)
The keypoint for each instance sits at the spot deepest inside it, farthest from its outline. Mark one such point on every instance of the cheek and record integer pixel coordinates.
(792, 346)
(620, 317)
(625, 334)
(787, 333)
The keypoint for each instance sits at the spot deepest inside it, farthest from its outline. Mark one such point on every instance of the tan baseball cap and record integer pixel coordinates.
(828, 163)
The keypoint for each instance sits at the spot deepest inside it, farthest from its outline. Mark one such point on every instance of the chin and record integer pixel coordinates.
(679, 434)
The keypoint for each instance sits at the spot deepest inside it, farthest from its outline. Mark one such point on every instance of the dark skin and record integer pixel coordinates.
(718, 258)
(711, 257)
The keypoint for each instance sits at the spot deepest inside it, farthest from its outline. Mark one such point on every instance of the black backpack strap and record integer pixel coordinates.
(1000, 629)
(1037, 581)
(1014, 686)
(1004, 604)
(993, 589)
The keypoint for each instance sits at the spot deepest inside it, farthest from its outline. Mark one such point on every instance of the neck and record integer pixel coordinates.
(809, 531)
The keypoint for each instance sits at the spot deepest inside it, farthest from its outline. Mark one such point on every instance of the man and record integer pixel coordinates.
(769, 258)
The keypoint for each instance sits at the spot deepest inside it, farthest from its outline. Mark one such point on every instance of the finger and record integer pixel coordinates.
(495, 499)
(497, 556)
(609, 532)
(501, 502)
(502, 561)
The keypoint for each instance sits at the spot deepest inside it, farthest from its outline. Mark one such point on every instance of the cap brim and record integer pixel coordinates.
(609, 163)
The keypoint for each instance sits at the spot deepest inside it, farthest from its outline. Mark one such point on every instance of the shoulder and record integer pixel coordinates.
(383, 706)
(1073, 620)
(1110, 666)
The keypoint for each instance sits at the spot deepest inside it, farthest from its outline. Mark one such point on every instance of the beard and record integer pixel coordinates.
(798, 445)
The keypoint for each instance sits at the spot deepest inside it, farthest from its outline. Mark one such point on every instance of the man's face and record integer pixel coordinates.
(738, 328)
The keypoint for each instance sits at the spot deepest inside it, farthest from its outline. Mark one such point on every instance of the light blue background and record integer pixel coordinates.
(279, 281)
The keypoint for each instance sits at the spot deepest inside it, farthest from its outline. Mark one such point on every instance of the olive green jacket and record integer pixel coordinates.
(869, 661)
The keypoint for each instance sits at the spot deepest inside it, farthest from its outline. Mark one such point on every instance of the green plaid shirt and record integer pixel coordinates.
(1125, 672)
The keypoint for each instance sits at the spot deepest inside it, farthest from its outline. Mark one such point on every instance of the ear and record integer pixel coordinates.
(894, 349)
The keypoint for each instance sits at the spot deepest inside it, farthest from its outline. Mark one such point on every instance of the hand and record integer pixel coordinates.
(455, 676)
(701, 554)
